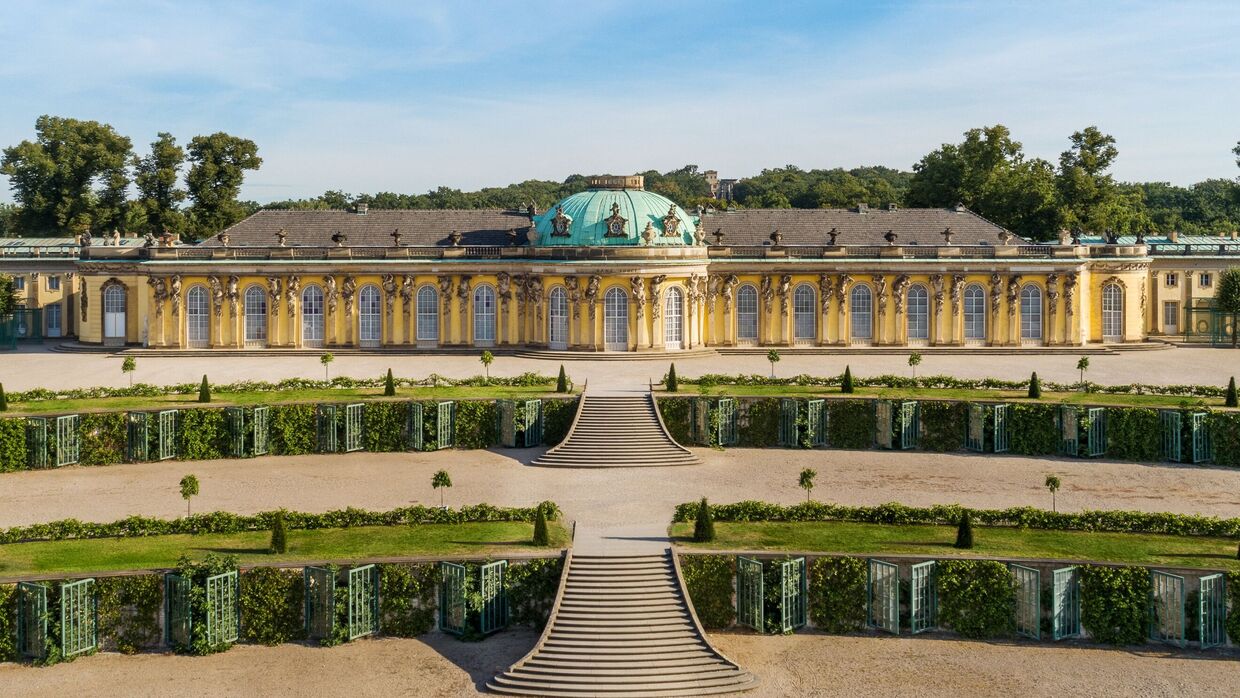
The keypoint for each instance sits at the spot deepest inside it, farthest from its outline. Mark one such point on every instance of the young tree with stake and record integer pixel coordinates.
(1083, 366)
(440, 481)
(487, 359)
(326, 359)
(914, 360)
(773, 357)
(128, 366)
(806, 481)
(189, 489)
(1052, 484)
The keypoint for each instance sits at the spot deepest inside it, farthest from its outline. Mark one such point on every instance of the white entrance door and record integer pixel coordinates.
(557, 317)
(1171, 317)
(616, 320)
(52, 316)
(114, 316)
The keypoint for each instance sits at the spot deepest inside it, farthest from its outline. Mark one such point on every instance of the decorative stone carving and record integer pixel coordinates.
(339, 238)
(463, 290)
(389, 295)
(174, 294)
(1069, 290)
(832, 234)
(729, 291)
(273, 292)
(768, 293)
(656, 291)
(503, 288)
(947, 235)
(534, 291)
(281, 237)
(1013, 293)
(407, 284)
(330, 294)
(890, 236)
(83, 295)
(217, 294)
(1052, 296)
(572, 284)
(1142, 297)
(560, 224)
(841, 294)
(454, 238)
(671, 223)
(648, 233)
(291, 288)
(234, 294)
(86, 240)
(996, 295)
(785, 293)
(348, 289)
(936, 282)
(897, 291)
(159, 290)
(445, 293)
(396, 237)
(825, 286)
(957, 292)
(223, 238)
(880, 288)
(591, 294)
(615, 223)
(638, 285)
(518, 284)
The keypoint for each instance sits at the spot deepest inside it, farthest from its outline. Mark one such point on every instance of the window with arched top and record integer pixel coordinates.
(428, 315)
(616, 319)
(861, 312)
(197, 317)
(673, 318)
(918, 311)
(484, 316)
(369, 316)
(255, 306)
(1112, 313)
(804, 313)
(313, 324)
(1031, 314)
(557, 318)
(114, 314)
(747, 313)
(974, 313)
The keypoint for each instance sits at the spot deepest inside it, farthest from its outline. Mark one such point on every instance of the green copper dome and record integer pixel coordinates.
(615, 211)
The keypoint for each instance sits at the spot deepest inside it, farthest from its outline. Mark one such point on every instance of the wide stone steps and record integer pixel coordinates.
(622, 627)
(616, 432)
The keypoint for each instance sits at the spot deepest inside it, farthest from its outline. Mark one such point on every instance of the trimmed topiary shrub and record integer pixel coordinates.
(1035, 387)
(279, 537)
(204, 390)
(561, 381)
(837, 594)
(964, 532)
(1229, 400)
(708, 579)
(1115, 603)
(942, 425)
(977, 598)
(541, 538)
(703, 524)
(4, 401)
(272, 604)
(846, 382)
(389, 385)
(672, 384)
(850, 424)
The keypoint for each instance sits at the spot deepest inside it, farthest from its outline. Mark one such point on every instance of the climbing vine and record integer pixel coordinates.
(1115, 603)
(531, 587)
(129, 611)
(850, 424)
(977, 598)
(272, 605)
(407, 600)
(708, 579)
(942, 425)
(837, 594)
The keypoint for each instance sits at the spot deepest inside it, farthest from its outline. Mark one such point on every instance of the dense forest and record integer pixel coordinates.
(83, 175)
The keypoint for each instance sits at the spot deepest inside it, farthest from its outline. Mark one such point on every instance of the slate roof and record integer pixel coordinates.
(374, 228)
(491, 226)
(799, 226)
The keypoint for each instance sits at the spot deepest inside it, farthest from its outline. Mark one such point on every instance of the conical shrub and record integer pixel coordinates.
(541, 538)
(204, 390)
(1231, 393)
(964, 532)
(846, 384)
(1035, 386)
(561, 381)
(279, 542)
(389, 385)
(673, 384)
(704, 525)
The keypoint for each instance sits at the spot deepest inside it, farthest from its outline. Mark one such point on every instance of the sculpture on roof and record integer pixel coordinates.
(223, 238)
(86, 239)
(615, 223)
(891, 237)
(396, 237)
(671, 223)
(339, 238)
(560, 223)
(281, 237)
(832, 234)
(648, 233)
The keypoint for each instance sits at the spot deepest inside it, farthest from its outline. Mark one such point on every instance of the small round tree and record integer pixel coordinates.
(189, 490)
(914, 360)
(806, 481)
(704, 524)
(541, 537)
(773, 357)
(561, 381)
(1035, 386)
(204, 390)
(1083, 366)
(846, 383)
(1230, 400)
(440, 481)
(128, 366)
(1052, 484)
(279, 538)
(389, 385)
(964, 532)
(673, 384)
(325, 359)
(487, 359)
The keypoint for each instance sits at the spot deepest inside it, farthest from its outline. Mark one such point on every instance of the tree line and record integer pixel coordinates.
(78, 175)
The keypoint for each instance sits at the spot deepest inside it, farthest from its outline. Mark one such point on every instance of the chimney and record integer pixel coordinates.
(362, 209)
(959, 207)
(1235, 234)
(1174, 236)
(863, 207)
(892, 206)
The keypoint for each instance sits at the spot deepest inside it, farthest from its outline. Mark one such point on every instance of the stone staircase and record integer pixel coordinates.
(617, 431)
(622, 626)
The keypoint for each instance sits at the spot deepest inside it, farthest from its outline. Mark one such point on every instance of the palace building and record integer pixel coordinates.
(615, 268)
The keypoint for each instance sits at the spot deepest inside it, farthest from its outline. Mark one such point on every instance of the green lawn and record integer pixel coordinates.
(936, 541)
(272, 397)
(949, 394)
(490, 539)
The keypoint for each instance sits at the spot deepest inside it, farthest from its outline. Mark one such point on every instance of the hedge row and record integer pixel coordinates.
(271, 605)
(975, 598)
(204, 434)
(951, 382)
(1132, 433)
(949, 515)
(225, 522)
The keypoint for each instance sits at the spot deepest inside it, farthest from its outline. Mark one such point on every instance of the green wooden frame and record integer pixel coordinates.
(882, 605)
(494, 613)
(36, 442)
(235, 418)
(452, 612)
(353, 416)
(816, 422)
(923, 597)
(1172, 435)
(532, 423)
(445, 425)
(138, 437)
(1212, 610)
(363, 601)
(788, 412)
(794, 594)
(223, 608)
(326, 421)
(178, 614)
(319, 602)
(1199, 434)
(749, 594)
(1096, 432)
(1001, 442)
(79, 617)
(1065, 603)
(1028, 583)
(414, 427)
(167, 434)
(1167, 622)
(32, 620)
(68, 439)
(261, 432)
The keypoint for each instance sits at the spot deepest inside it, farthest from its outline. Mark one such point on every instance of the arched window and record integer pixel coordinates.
(369, 316)
(616, 319)
(114, 314)
(673, 318)
(484, 316)
(557, 318)
(1112, 313)
(1031, 314)
(804, 314)
(918, 318)
(197, 317)
(975, 313)
(428, 315)
(312, 324)
(747, 313)
(255, 317)
(861, 309)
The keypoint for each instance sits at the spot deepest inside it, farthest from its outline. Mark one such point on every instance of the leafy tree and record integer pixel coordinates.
(487, 359)
(1083, 365)
(189, 489)
(1227, 297)
(964, 532)
(4, 400)
(846, 383)
(128, 366)
(561, 381)
(673, 384)
(1089, 198)
(1035, 386)
(914, 360)
(72, 176)
(204, 390)
(156, 177)
(541, 537)
(326, 358)
(773, 357)
(389, 385)
(9, 296)
(218, 166)
(1052, 484)
(806, 481)
(704, 524)
(1230, 401)
(439, 481)
(279, 537)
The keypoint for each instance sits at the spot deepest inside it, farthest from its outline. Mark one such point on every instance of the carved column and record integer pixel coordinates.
(389, 309)
(1069, 309)
(235, 311)
(957, 321)
(880, 299)
(292, 289)
(844, 329)
(534, 295)
(463, 292)
(656, 311)
(572, 285)
(785, 311)
(936, 328)
(348, 292)
(638, 286)
(217, 310)
(898, 291)
(503, 293)
(825, 285)
(331, 300)
(273, 311)
(994, 338)
(445, 310)
(591, 296)
(408, 299)
(713, 285)
(729, 321)
(1052, 308)
(768, 305)
(155, 327)
(1013, 304)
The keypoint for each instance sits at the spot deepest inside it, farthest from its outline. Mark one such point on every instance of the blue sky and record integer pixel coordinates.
(406, 96)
